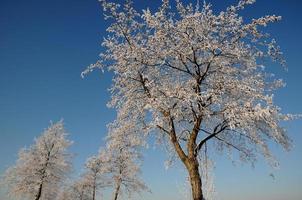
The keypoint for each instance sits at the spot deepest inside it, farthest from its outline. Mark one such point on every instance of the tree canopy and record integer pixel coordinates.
(196, 78)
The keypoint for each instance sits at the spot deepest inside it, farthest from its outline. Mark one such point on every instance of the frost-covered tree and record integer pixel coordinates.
(123, 157)
(78, 190)
(88, 185)
(41, 168)
(95, 175)
(117, 166)
(64, 194)
(195, 78)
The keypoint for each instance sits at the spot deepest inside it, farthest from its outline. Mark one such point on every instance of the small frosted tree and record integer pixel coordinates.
(90, 182)
(41, 168)
(78, 190)
(95, 175)
(196, 78)
(123, 159)
(65, 194)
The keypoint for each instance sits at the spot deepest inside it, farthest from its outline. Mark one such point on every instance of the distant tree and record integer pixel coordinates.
(123, 157)
(85, 188)
(95, 175)
(195, 78)
(117, 166)
(41, 168)
(65, 193)
(77, 190)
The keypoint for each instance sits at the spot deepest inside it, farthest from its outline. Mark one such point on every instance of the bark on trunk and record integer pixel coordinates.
(93, 193)
(189, 159)
(38, 196)
(82, 194)
(195, 181)
(117, 190)
(94, 186)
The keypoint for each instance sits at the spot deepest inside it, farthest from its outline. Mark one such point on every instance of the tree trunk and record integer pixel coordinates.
(117, 190)
(190, 160)
(38, 196)
(93, 192)
(82, 193)
(195, 180)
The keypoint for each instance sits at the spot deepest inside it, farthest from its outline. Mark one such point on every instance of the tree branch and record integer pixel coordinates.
(174, 140)
(222, 126)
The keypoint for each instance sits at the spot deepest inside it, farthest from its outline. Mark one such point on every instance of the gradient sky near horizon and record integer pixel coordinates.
(45, 45)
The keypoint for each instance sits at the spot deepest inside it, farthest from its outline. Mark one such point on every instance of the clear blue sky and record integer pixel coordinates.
(44, 46)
